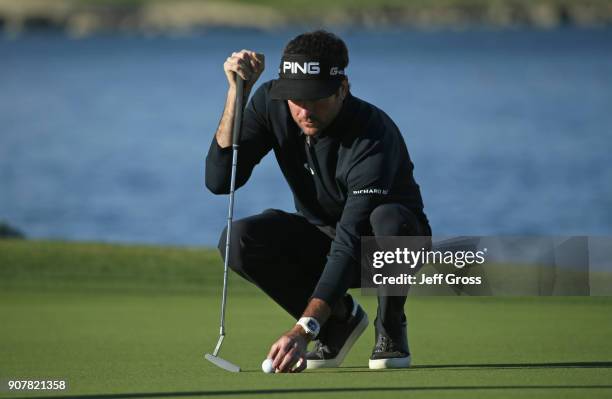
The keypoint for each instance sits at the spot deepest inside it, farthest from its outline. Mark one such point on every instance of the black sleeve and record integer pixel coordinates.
(369, 179)
(255, 142)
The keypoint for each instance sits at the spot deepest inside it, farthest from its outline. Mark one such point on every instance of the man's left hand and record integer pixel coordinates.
(288, 351)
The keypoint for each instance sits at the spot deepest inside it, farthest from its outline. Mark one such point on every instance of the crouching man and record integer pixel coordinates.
(350, 173)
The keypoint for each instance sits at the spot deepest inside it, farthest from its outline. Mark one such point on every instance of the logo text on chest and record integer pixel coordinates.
(371, 191)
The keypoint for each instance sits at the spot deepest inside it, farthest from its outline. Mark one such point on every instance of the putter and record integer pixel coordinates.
(214, 358)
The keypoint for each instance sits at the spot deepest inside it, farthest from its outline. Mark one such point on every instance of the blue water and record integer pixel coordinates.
(105, 138)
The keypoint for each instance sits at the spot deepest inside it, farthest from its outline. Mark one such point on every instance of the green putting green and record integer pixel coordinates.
(135, 322)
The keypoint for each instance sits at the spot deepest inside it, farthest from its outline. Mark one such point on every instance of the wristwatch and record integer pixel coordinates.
(310, 325)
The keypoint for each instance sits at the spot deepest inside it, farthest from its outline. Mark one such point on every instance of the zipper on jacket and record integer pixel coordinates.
(312, 159)
(307, 164)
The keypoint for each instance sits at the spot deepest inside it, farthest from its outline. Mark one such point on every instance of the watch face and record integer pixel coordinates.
(312, 325)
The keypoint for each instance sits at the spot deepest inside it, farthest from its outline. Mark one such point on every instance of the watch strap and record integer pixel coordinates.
(310, 325)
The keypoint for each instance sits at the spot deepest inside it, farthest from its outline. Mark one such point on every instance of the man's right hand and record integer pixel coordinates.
(247, 64)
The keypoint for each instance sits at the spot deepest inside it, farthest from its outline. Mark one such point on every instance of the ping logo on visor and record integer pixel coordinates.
(295, 66)
(311, 68)
(303, 77)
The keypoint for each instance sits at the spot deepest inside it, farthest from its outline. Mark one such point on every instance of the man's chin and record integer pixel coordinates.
(310, 130)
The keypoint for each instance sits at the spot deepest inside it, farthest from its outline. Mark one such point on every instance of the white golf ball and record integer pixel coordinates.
(266, 366)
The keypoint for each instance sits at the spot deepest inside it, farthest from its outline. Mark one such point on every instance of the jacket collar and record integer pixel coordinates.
(340, 123)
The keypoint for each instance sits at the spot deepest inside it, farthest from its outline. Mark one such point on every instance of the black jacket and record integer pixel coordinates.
(357, 163)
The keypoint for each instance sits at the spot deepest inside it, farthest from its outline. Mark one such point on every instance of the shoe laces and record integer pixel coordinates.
(385, 344)
(320, 347)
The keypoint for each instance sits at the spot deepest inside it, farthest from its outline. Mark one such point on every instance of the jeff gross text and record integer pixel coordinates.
(423, 279)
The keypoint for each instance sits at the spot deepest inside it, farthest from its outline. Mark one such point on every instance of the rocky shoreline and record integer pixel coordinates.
(81, 18)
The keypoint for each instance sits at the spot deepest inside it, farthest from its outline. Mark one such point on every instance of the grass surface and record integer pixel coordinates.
(131, 321)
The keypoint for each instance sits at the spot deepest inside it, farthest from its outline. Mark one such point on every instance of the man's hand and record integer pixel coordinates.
(247, 64)
(291, 347)
(288, 351)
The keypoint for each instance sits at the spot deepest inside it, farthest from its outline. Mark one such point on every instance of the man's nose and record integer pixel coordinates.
(305, 111)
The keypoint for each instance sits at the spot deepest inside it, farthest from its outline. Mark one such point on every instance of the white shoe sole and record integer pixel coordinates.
(391, 363)
(335, 362)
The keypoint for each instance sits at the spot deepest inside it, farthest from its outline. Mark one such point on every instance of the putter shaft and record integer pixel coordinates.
(230, 216)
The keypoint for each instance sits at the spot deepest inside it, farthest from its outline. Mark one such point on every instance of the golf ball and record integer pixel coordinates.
(266, 366)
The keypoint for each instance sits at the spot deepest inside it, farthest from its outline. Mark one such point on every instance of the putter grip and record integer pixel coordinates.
(238, 110)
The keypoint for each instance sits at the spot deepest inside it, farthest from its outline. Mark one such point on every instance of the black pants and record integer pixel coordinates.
(284, 255)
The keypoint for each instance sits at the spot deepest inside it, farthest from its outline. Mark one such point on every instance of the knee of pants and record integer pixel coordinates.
(386, 220)
(393, 220)
(237, 249)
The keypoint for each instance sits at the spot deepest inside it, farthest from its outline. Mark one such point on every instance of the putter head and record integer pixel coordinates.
(224, 364)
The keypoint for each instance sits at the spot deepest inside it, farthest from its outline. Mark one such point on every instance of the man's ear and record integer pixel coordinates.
(344, 88)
